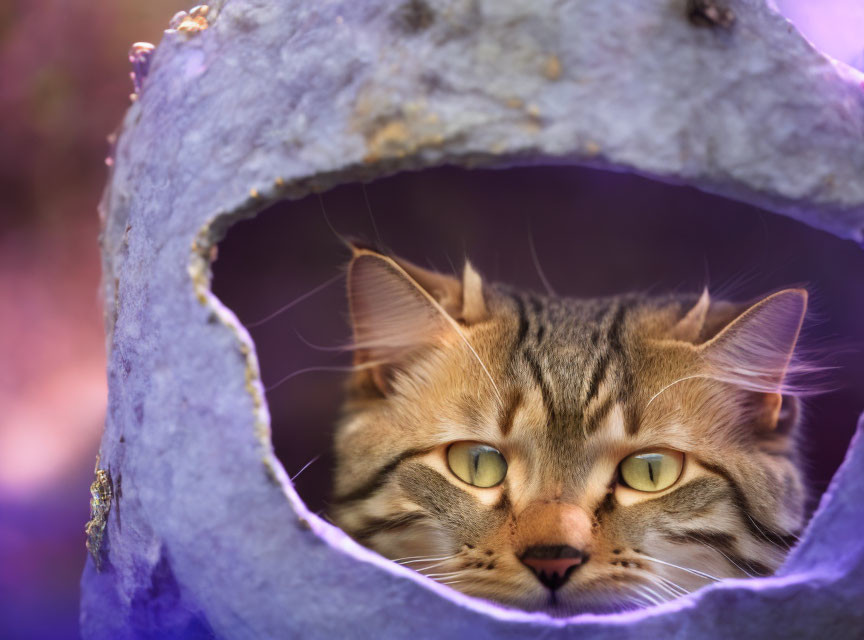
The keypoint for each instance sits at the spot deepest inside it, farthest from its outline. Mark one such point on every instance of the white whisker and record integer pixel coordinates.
(296, 301)
(365, 365)
(477, 357)
(432, 566)
(673, 585)
(636, 597)
(650, 594)
(731, 561)
(540, 274)
(657, 581)
(695, 572)
(783, 548)
(672, 384)
(371, 217)
(304, 467)
(445, 574)
(412, 559)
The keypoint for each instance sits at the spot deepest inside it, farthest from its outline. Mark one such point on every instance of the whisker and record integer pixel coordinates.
(329, 224)
(549, 290)
(731, 561)
(651, 595)
(437, 564)
(665, 588)
(695, 572)
(412, 559)
(673, 585)
(783, 548)
(342, 369)
(444, 574)
(662, 594)
(305, 466)
(716, 550)
(318, 347)
(294, 302)
(371, 217)
(660, 586)
(672, 384)
(454, 325)
(636, 597)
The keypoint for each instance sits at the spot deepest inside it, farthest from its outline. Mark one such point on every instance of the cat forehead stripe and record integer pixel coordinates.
(599, 329)
(511, 405)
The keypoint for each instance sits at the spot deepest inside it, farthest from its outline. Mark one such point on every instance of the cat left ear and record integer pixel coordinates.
(371, 273)
(689, 328)
(755, 349)
(397, 307)
(473, 301)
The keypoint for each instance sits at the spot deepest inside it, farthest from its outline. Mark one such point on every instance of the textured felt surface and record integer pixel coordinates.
(205, 536)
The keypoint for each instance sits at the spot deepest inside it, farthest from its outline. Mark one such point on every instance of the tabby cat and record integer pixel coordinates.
(567, 455)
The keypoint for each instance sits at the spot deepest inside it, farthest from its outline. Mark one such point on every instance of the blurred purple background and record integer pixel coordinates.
(64, 86)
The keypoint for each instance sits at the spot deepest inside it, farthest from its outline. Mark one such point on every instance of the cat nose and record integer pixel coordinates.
(553, 564)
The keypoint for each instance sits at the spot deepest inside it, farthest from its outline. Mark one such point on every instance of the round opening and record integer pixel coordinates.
(578, 232)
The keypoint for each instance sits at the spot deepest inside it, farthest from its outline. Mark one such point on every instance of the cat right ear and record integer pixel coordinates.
(754, 351)
(689, 328)
(756, 347)
(397, 307)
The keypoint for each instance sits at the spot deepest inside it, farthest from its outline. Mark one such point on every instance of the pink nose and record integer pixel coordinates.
(549, 565)
(553, 564)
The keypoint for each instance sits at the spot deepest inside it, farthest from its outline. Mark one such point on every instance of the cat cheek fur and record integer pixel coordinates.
(565, 389)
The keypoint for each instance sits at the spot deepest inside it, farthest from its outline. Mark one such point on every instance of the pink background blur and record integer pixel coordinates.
(63, 87)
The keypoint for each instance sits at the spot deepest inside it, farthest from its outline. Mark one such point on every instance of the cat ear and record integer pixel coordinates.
(397, 307)
(755, 349)
(689, 328)
(473, 301)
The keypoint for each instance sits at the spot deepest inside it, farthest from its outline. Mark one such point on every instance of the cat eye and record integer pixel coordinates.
(477, 464)
(652, 470)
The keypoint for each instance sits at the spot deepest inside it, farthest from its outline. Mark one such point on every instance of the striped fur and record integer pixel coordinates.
(566, 389)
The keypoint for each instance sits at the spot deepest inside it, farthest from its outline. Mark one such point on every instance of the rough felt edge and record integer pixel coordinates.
(253, 380)
(199, 270)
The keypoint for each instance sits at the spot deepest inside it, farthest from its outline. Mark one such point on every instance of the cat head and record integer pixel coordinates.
(567, 455)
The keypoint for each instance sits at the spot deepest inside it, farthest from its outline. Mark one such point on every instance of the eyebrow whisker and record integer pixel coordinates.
(295, 301)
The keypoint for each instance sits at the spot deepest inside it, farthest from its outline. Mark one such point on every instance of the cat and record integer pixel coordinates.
(564, 455)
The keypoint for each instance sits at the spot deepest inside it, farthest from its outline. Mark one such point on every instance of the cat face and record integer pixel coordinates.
(567, 455)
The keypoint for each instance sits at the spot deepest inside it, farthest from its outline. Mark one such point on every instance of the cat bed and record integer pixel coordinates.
(197, 530)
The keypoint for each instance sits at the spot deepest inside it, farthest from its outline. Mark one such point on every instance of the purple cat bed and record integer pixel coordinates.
(205, 534)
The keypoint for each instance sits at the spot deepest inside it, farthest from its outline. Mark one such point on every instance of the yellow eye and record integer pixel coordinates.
(652, 470)
(477, 464)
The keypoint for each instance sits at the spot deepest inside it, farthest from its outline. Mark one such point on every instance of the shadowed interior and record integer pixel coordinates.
(580, 232)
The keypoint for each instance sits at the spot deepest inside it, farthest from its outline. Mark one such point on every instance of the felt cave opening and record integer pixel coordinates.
(198, 531)
(594, 233)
